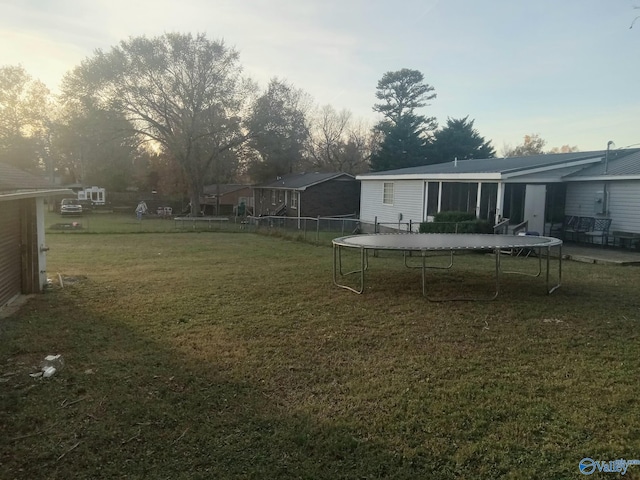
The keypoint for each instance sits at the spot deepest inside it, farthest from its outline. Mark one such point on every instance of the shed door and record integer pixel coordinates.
(10, 279)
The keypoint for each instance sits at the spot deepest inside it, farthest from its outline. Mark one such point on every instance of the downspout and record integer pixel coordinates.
(606, 171)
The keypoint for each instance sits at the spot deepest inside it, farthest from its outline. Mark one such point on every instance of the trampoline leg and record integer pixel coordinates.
(461, 299)
(556, 286)
(337, 269)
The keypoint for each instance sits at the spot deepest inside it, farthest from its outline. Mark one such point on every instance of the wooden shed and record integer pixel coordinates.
(22, 242)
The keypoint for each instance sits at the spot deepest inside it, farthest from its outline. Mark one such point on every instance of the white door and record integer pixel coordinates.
(534, 202)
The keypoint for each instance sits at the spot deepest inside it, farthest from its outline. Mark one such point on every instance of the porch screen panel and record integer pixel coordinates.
(432, 198)
(488, 200)
(459, 197)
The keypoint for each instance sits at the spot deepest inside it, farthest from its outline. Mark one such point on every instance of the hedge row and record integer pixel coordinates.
(456, 222)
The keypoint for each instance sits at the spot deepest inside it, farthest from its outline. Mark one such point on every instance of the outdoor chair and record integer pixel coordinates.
(558, 229)
(600, 230)
(569, 225)
(582, 226)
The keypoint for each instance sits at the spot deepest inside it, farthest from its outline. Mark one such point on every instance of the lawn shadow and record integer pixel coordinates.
(125, 405)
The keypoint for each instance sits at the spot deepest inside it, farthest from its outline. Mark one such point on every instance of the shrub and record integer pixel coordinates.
(454, 217)
(456, 222)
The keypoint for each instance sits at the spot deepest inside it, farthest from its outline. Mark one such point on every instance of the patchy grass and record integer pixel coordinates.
(233, 356)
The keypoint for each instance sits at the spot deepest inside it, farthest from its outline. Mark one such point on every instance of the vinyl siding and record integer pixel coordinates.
(624, 202)
(581, 198)
(624, 206)
(407, 200)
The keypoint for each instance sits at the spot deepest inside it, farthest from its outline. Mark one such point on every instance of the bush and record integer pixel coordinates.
(454, 217)
(456, 222)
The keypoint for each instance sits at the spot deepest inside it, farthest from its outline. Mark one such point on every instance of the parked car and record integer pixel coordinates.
(70, 206)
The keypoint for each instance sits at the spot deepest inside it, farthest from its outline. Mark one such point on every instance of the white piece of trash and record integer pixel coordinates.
(50, 365)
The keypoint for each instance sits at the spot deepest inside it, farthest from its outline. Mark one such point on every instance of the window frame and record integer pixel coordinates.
(388, 193)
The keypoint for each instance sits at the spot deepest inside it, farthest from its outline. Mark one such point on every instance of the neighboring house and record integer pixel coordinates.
(308, 195)
(232, 198)
(96, 195)
(538, 189)
(22, 242)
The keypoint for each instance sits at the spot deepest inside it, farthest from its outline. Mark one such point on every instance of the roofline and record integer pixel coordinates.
(555, 166)
(308, 185)
(435, 176)
(601, 178)
(501, 175)
(34, 194)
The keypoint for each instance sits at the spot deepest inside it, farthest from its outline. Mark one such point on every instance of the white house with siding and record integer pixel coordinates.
(539, 189)
(611, 189)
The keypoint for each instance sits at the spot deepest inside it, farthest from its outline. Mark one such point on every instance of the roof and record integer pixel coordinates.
(224, 188)
(497, 166)
(620, 163)
(301, 181)
(13, 179)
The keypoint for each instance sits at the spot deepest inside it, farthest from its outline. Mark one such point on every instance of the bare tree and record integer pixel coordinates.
(338, 144)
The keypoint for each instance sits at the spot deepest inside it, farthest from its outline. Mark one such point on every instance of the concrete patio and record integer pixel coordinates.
(600, 255)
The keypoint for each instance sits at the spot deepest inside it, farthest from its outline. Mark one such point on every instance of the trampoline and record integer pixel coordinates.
(426, 243)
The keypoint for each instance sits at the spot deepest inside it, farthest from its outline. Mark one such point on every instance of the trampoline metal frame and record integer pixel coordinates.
(339, 244)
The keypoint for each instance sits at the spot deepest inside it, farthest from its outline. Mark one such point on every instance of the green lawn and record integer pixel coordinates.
(232, 355)
(104, 223)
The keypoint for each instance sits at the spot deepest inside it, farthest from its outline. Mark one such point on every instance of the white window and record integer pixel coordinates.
(273, 197)
(387, 193)
(294, 200)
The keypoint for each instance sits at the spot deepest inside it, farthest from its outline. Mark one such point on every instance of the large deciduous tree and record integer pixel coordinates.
(278, 127)
(404, 132)
(458, 139)
(23, 118)
(94, 147)
(185, 94)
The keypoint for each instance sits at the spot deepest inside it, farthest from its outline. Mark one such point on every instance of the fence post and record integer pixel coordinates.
(410, 226)
(375, 225)
(343, 227)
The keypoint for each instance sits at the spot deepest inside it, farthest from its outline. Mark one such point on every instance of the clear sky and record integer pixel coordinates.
(567, 70)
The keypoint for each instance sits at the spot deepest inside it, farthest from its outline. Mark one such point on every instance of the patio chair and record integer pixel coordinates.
(600, 230)
(557, 229)
(585, 224)
(569, 227)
